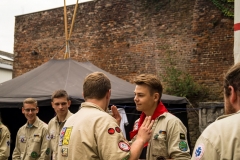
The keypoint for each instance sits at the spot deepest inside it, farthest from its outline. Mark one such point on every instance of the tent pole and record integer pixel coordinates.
(66, 30)
(73, 20)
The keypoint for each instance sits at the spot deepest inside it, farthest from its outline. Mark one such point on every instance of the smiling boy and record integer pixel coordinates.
(31, 141)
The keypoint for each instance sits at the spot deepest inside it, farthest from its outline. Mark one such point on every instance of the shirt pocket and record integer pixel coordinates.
(159, 146)
(36, 138)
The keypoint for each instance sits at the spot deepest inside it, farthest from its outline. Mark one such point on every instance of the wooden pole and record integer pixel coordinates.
(66, 31)
(73, 20)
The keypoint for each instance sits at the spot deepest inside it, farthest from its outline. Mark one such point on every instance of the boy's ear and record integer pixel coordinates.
(233, 95)
(156, 97)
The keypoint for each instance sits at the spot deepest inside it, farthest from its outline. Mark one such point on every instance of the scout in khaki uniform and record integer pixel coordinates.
(93, 134)
(169, 139)
(60, 104)
(221, 139)
(32, 141)
(4, 142)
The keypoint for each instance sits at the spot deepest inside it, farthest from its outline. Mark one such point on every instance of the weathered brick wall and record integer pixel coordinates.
(121, 37)
(126, 39)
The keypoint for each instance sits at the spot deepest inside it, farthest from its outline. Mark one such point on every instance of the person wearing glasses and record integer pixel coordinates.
(60, 103)
(32, 140)
(4, 142)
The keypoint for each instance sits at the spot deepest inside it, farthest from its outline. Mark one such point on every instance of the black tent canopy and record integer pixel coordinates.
(69, 75)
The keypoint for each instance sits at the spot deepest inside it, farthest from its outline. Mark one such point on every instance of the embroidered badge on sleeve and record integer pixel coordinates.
(183, 146)
(124, 146)
(118, 129)
(182, 136)
(199, 152)
(111, 131)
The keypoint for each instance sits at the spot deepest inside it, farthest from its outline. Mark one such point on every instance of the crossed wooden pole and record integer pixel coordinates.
(67, 36)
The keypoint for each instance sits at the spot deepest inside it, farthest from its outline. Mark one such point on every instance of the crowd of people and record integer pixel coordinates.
(94, 134)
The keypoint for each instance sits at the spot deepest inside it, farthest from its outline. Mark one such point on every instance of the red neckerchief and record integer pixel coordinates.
(158, 111)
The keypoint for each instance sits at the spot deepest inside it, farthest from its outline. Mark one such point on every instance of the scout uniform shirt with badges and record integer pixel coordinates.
(54, 128)
(92, 134)
(32, 142)
(220, 140)
(168, 139)
(4, 142)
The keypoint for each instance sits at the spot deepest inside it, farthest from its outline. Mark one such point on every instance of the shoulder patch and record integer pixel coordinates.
(183, 146)
(124, 146)
(111, 131)
(182, 136)
(118, 129)
(199, 152)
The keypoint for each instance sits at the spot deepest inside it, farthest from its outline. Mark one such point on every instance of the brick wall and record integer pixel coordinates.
(123, 38)
(126, 38)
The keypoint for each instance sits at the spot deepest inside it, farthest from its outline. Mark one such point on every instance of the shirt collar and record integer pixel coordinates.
(35, 124)
(92, 105)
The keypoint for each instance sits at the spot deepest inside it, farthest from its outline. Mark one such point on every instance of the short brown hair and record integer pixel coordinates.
(232, 78)
(96, 85)
(30, 101)
(151, 81)
(59, 94)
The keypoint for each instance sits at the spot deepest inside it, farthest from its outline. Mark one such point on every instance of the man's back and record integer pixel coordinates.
(220, 140)
(92, 134)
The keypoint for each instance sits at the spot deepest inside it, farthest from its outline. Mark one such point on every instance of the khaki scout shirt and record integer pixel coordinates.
(4, 142)
(54, 129)
(92, 134)
(220, 140)
(169, 139)
(32, 142)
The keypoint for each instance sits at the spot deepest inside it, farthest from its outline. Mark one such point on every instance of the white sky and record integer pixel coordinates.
(11, 8)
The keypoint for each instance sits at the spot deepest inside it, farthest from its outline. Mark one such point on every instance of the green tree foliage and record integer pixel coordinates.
(226, 7)
(181, 83)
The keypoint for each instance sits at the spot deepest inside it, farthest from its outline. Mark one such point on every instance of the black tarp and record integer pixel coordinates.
(69, 75)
